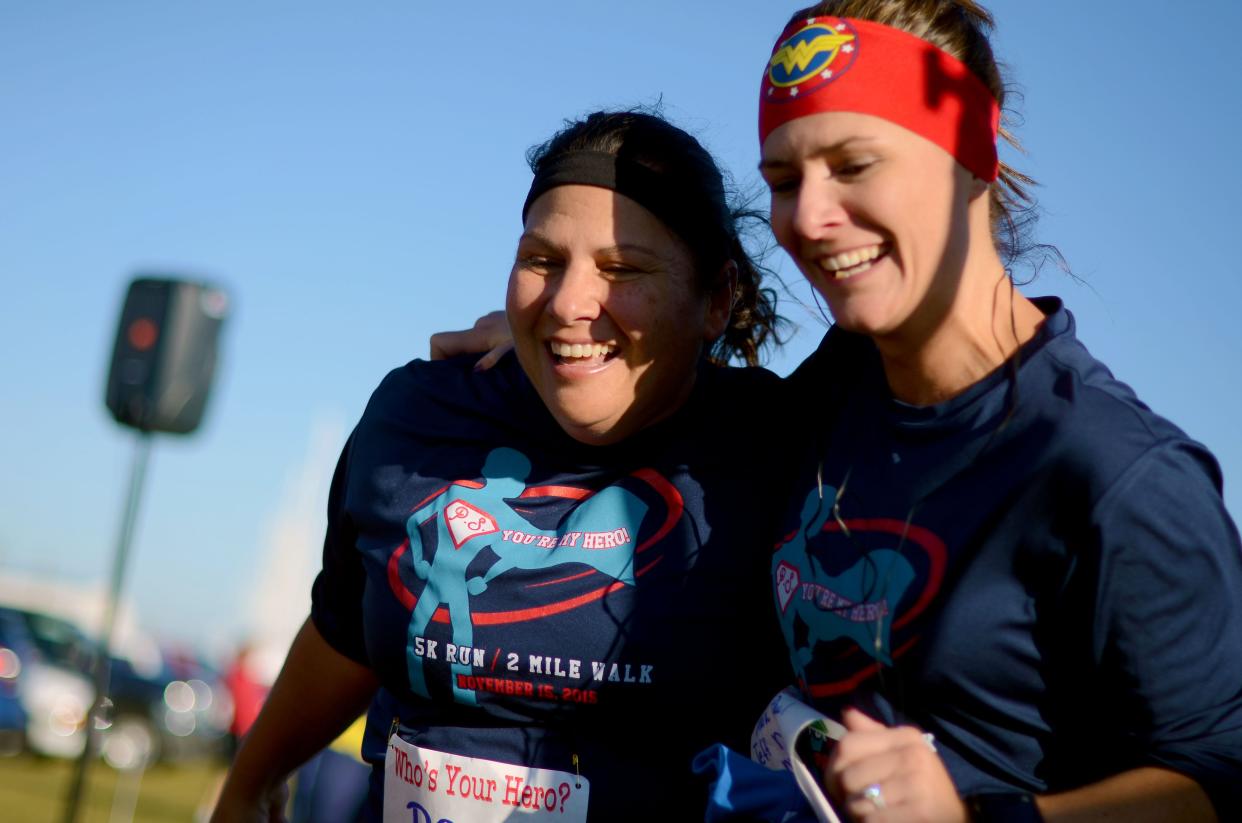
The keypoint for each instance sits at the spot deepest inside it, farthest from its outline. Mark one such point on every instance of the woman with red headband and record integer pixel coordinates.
(1016, 586)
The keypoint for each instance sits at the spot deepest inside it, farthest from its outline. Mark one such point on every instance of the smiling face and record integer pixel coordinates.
(877, 218)
(607, 319)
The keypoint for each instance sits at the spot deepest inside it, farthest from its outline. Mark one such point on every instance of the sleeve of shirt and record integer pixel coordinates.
(1168, 625)
(336, 597)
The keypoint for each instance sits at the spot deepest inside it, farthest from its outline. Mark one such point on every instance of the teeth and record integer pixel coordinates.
(580, 350)
(840, 263)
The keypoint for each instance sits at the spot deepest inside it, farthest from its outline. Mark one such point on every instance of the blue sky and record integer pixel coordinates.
(353, 175)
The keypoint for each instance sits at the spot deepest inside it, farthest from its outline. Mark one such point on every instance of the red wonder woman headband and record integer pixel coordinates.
(842, 64)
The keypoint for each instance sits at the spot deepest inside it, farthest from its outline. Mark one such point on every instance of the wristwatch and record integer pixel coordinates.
(1003, 807)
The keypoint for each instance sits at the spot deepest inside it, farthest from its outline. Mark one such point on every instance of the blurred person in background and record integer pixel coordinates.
(248, 690)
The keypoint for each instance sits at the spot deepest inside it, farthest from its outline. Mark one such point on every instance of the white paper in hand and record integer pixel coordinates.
(774, 740)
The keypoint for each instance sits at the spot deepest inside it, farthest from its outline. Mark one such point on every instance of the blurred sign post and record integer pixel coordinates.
(162, 366)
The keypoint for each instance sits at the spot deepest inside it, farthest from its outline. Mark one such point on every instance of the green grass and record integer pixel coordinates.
(34, 790)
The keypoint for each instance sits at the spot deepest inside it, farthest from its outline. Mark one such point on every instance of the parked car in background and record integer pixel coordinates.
(54, 699)
(13, 716)
(205, 692)
(152, 713)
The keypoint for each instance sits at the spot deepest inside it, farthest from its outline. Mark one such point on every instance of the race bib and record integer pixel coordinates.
(774, 740)
(427, 786)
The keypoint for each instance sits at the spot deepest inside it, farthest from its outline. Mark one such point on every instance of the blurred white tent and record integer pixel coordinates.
(278, 601)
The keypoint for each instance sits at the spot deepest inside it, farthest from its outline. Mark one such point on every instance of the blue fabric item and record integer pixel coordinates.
(1043, 566)
(331, 788)
(742, 790)
(531, 600)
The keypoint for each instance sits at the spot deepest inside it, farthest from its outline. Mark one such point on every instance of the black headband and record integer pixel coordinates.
(689, 217)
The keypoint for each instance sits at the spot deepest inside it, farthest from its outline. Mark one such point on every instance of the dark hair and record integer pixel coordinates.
(961, 28)
(646, 138)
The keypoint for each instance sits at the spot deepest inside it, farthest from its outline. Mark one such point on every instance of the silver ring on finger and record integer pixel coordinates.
(929, 740)
(874, 794)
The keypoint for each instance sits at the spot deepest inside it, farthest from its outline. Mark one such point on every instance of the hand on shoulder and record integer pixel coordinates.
(490, 335)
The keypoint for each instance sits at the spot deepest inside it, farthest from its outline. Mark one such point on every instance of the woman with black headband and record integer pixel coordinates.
(1016, 586)
(548, 570)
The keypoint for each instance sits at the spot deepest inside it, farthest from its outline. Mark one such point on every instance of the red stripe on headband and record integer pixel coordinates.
(842, 64)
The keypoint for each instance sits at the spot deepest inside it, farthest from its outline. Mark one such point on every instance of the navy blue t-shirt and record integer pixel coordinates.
(531, 600)
(1041, 571)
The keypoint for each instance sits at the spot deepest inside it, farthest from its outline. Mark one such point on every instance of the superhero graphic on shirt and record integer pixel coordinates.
(472, 516)
(842, 587)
